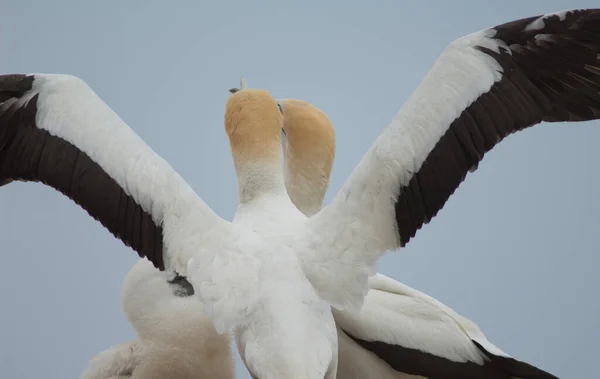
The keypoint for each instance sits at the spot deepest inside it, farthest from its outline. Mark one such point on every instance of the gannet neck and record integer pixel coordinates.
(253, 123)
(259, 179)
(309, 154)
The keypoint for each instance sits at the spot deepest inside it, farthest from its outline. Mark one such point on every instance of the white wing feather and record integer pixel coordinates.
(397, 314)
(68, 108)
(227, 283)
(359, 226)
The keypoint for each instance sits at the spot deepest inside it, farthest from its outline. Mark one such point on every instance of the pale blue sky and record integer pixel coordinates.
(515, 248)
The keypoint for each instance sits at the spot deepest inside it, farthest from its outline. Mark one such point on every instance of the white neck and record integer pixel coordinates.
(257, 179)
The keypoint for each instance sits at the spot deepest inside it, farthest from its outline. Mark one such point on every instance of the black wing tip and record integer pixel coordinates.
(158, 262)
(513, 367)
(16, 82)
(156, 259)
(516, 32)
(424, 364)
(15, 86)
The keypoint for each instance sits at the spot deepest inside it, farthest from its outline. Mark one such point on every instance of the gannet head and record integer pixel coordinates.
(253, 123)
(309, 145)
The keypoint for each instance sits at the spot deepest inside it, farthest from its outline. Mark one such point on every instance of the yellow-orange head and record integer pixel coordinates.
(253, 123)
(309, 153)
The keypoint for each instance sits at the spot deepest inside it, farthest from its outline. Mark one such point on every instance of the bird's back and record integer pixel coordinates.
(296, 328)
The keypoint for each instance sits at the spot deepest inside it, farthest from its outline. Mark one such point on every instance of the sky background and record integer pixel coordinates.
(515, 248)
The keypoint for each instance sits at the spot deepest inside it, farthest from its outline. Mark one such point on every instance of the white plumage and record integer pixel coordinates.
(176, 340)
(393, 313)
(271, 257)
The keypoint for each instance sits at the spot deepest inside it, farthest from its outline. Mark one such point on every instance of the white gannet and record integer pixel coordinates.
(176, 340)
(399, 331)
(161, 310)
(272, 274)
(420, 335)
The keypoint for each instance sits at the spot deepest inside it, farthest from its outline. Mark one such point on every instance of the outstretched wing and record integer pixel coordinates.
(482, 88)
(54, 129)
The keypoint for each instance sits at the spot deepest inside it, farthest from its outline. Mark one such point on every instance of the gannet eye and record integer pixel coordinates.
(233, 90)
(280, 108)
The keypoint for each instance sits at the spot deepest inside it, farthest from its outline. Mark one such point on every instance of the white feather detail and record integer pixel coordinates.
(226, 301)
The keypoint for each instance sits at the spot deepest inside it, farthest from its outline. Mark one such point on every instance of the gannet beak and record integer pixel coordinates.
(282, 129)
(243, 84)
